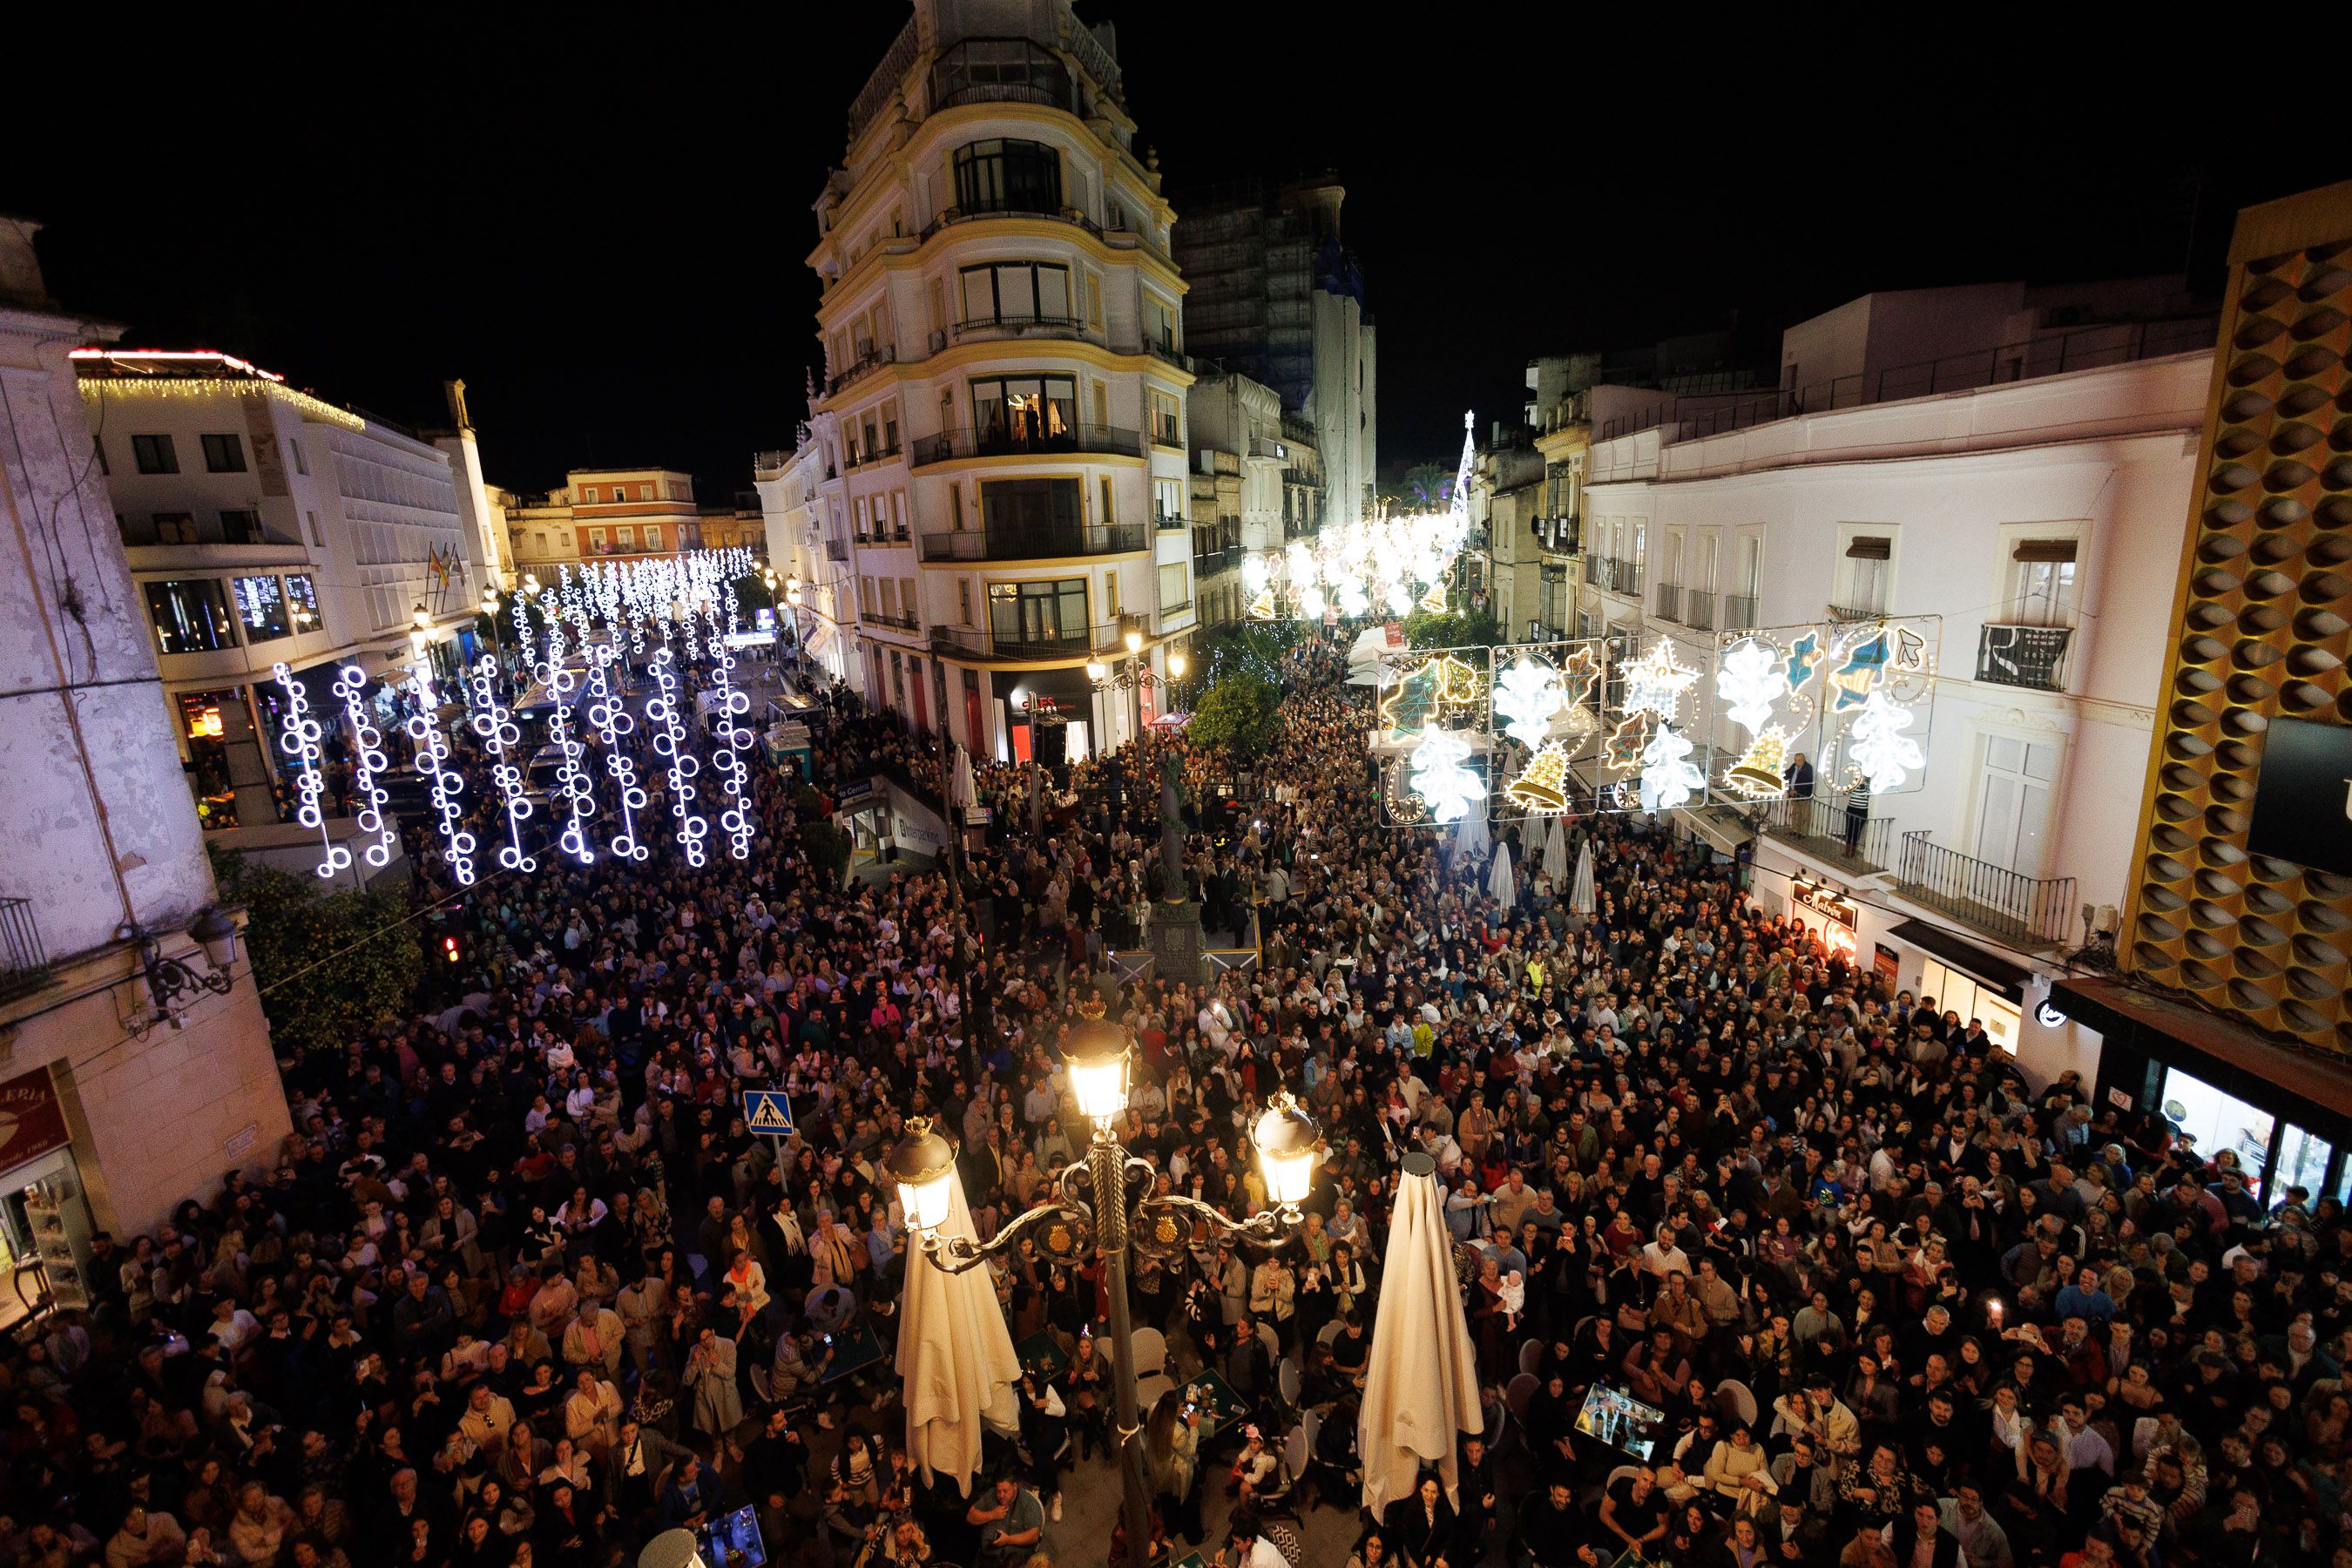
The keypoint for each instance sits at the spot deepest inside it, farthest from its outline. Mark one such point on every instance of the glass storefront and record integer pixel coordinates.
(1957, 991)
(2219, 1120)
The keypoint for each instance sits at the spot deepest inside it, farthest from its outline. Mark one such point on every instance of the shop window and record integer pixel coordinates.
(1956, 992)
(2219, 1120)
(261, 606)
(302, 603)
(190, 615)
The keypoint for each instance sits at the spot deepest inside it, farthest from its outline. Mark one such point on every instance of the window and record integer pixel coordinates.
(1168, 502)
(1016, 291)
(1867, 559)
(302, 603)
(301, 464)
(1023, 410)
(261, 606)
(963, 600)
(190, 615)
(858, 508)
(1107, 516)
(2219, 1120)
(1036, 613)
(1972, 1000)
(1111, 610)
(223, 455)
(1167, 430)
(955, 507)
(1158, 326)
(2013, 802)
(1000, 176)
(155, 454)
(624, 537)
(653, 536)
(591, 494)
(889, 586)
(1175, 586)
(240, 528)
(906, 596)
(898, 514)
(2042, 582)
(596, 542)
(890, 425)
(175, 528)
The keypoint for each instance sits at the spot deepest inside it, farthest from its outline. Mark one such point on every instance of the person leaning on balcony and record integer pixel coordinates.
(1799, 776)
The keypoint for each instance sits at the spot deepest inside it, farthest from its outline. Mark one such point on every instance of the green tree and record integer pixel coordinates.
(1425, 485)
(1453, 628)
(1238, 714)
(1257, 647)
(330, 966)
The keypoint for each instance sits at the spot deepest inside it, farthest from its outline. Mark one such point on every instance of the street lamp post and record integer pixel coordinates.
(1097, 1057)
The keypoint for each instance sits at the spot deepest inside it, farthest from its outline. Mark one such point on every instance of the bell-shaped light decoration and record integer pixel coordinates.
(1289, 1145)
(922, 1165)
(1097, 1056)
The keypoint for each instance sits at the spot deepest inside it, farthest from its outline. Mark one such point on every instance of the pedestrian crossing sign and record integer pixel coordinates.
(768, 1112)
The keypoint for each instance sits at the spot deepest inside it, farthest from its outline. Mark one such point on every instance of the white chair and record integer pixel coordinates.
(1522, 1389)
(1329, 1331)
(1289, 1379)
(1150, 1348)
(1270, 1339)
(1735, 1400)
(1622, 1472)
(1148, 1390)
(1531, 1355)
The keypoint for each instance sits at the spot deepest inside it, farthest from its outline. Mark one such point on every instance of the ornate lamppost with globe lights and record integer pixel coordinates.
(1107, 1203)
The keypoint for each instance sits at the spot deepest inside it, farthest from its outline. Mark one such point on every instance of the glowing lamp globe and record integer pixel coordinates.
(1134, 641)
(922, 1165)
(1096, 669)
(1288, 1144)
(1096, 1057)
(1176, 665)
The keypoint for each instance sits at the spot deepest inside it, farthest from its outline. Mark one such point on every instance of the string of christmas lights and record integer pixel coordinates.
(448, 784)
(369, 766)
(299, 741)
(499, 735)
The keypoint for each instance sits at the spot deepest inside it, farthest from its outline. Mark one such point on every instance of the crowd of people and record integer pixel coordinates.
(523, 1287)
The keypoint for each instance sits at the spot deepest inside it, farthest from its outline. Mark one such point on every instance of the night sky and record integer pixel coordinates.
(602, 229)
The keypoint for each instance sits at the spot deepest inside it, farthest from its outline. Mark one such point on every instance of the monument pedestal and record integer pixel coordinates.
(1175, 941)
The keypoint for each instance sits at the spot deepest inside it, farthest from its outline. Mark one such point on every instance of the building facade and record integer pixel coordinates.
(1278, 298)
(1005, 381)
(601, 514)
(2006, 522)
(263, 525)
(118, 1102)
(1257, 484)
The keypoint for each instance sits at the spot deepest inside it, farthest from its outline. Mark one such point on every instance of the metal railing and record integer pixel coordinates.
(856, 459)
(1613, 575)
(1699, 609)
(2036, 910)
(1031, 646)
(770, 465)
(1820, 825)
(899, 623)
(835, 550)
(882, 85)
(1036, 543)
(1026, 326)
(24, 964)
(1022, 439)
(1670, 602)
(873, 359)
(2084, 348)
(1165, 519)
(1738, 611)
(2013, 654)
(951, 215)
(141, 530)
(1167, 433)
(1856, 611)
(1165, 350)
(1002, 92)
(1209, 562)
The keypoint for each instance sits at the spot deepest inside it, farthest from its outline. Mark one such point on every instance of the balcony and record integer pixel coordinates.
(1023, 440)
(1738, 611)
(1670, 602)
(1856, 613)
(1046, 543)
(1166, 521)
(953, 215)
(1208, 563)
(835, 550)
(1037, 645)
(993, 327)
(1699, 609)
(1168, 433)
(2008, 654)
(1819, 826)
(856, 459)
(871, 360)
(2026, 911)
(1612, 575)
(1273, 448)
(1161, 350)
(896, 623)
(24, 965)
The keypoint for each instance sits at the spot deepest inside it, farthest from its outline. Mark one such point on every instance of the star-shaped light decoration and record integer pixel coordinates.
(1750, 681)
(1668, 775)
(1863, 666)
(1877, 747)
(1528, 695)
(1654, 682)
(1444, 786)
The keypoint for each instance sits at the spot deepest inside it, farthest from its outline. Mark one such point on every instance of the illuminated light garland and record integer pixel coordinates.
(1429, 692)
(572, 775)
(499, 735)
(200, 385)
(1438, 777)
(611, 716)
(1864, 667)
(299, 741)
(1805, 658)
(432, 758)
(669, 742)
(1750, 678)
(1878, 749)
(1668, 775)
(368, 766)
(1626, 742)
(726, 759)
(1758, 774)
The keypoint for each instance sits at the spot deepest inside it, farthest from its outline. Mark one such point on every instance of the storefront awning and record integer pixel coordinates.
(2238, 1059)
(2007, 978)
(1721, 826)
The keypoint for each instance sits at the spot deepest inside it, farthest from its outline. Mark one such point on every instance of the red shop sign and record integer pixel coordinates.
(32, 1118)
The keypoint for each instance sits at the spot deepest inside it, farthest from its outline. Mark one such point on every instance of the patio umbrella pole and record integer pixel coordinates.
(1108, 1163)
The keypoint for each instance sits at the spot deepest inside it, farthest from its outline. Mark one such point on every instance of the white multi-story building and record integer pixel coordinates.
(121, 1092)
(264, 525)
(800, 494)
(1004, 378)
(2019, 516)
(1257, 484)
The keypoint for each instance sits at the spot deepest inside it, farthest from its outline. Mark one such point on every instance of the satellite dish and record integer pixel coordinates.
(671, 1549)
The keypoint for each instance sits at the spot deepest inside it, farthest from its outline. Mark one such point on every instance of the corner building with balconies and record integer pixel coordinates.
(1002, 332)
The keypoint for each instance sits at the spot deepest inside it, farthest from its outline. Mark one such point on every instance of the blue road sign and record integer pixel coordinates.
(769, 1112)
